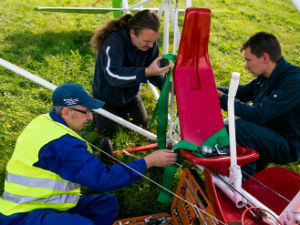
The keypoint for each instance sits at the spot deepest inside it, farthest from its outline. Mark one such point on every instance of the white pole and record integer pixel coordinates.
(125, 123)
(171, 123)
(161, 8)
(188, 4)
(231, 95)
(26, 74)
(125, 6)
(222, 184)
(175, 29)
(166, 28)
(156, 95)
(154, 90)
(52, 87)
(139, 4)
(77, 9)
(296, 4)
(235, 175)
(291, 214)
(174, 22)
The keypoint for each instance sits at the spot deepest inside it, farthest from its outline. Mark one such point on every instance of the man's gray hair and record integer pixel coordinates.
(57, 109)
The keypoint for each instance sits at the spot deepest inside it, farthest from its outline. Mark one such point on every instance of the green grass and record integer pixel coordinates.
(55, 47)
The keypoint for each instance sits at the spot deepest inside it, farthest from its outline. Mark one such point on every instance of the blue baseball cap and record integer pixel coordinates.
(70, 94)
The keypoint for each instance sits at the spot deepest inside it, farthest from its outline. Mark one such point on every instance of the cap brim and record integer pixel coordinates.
(93, 103)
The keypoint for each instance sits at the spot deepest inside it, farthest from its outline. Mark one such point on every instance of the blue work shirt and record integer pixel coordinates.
(276, 102)
(69, 158)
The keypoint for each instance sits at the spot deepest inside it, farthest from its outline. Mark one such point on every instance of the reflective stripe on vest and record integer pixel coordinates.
(42, 183)
(27, 187)
(55, 199)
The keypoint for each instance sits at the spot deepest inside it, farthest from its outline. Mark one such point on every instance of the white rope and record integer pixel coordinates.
(154, 182)
(142, 175)
(167, 190)
(147, 178)
(265, 186)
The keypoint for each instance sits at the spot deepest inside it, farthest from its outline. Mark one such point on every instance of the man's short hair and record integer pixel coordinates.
(57, 109)
(263, 42)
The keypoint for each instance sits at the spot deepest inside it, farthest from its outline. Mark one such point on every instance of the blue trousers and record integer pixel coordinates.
(97, 209)
(271, 146)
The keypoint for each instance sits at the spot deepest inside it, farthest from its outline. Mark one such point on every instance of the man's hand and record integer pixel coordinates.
(155, 70)
(161, 158)
(220, 94)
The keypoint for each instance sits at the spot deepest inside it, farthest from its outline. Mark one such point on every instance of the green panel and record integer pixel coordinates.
(117, 4)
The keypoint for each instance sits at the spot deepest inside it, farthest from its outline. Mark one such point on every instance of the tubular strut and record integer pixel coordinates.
(50, 86)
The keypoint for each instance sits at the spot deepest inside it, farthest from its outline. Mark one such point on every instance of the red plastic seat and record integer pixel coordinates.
(280, 180)
(221, 164)
(197, 100)
(283, 181)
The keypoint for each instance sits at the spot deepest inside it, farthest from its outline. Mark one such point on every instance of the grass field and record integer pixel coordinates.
(55, 47)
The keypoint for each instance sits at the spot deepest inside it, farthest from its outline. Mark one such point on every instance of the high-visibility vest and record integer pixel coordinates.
(27, 187)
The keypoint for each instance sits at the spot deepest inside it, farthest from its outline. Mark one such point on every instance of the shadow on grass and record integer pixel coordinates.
(39, 46)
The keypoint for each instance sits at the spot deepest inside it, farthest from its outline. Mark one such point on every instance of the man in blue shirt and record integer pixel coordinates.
(271, 124)
(51, 161)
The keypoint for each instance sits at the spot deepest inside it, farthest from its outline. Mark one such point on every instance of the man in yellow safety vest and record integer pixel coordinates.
(51, 162)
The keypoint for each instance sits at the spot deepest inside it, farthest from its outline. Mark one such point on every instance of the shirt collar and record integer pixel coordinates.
(57, 118)
(279, 68)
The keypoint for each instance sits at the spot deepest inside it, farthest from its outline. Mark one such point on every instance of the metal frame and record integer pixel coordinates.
(52, 87)
(290, 215)
(166, 9)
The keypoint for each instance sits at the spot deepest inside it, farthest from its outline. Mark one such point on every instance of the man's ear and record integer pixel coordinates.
(266, 57)
(132, 33)
(65, 112)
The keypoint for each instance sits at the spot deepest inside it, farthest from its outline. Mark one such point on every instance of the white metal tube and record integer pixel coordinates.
(52, 87)
(230, 193)
(154, 90)
(175, 28)
(235, 175)
(161, 8)
(231, 95)
(156, 95)
(138, 4)
(171, 115)
(126, 123)
(174, 23)
(257, 203)
(188, 3)
(220, 183)
(166, 29)
(77, 9)
(291, 214)
(27, 74)
(296, 4)
(125, 6)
